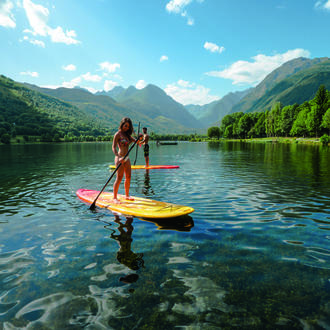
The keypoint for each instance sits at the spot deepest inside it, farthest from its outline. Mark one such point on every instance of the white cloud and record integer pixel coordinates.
(323, 4)
(163, 58)
(51, 86)
(190, 21)
(185, 93)
(91, 89)
(91, 77)
(185, 84)
(109, 85)
(72, 83)
(214, 48)
(141, 84)
(37, 43)
(109, 67)
(59, 36)
(251, 73)
(30, 73)
(178, 7)
(38, 16)
(34, 41)
(6, 17)
(69, 67)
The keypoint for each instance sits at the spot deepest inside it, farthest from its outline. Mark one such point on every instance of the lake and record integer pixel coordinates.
(255, 254)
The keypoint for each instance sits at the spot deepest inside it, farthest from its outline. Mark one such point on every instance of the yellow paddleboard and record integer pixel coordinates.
(139, 207)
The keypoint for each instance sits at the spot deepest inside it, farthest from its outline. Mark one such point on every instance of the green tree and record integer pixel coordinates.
(320, 105)
(287, 117)
(326, 120)
(259, 128)
(299, 127)
(244, 125)
(321, 99)
(213, 132)
(314, 120)
(228, 132)
(273, 120)
(230, 120)
(5, 138)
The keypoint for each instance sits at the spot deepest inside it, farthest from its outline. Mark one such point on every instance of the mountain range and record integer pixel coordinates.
(151, 106)
(295, 81)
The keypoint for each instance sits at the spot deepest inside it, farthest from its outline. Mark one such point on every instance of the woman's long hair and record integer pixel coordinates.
(130, 131)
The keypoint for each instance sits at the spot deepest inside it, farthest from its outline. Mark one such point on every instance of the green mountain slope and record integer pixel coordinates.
(153, 102)
(117, 90)
(298, 88)
(100, 107)
(288, 76)
(24, 111)
(212, 113)
(105, 109)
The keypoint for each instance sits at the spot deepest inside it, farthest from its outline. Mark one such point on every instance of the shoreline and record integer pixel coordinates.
(288, 140)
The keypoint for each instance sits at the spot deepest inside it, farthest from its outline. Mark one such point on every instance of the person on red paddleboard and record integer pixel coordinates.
(121, 141)
(145, 142)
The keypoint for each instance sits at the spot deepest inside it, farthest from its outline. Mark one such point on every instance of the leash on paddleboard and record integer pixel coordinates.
(136, 146)
(92, 207)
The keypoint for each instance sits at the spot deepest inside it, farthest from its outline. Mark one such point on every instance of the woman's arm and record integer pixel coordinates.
(114, 144)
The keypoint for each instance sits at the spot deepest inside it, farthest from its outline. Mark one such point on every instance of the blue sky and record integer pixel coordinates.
(196, 50)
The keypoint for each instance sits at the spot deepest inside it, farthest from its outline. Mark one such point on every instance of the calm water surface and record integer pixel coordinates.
(255, 254)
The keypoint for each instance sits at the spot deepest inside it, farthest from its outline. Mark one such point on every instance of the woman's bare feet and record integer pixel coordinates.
(116, 201)
(130, 198)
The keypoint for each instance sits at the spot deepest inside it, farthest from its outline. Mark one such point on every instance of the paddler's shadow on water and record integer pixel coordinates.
(125, 255)
(182, 223)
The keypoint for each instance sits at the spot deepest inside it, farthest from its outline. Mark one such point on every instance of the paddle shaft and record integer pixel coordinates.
(92, 207)
(137, 147)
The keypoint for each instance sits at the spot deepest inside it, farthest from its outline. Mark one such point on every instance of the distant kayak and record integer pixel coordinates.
(167, 143)
(139, 207)
(150, 167)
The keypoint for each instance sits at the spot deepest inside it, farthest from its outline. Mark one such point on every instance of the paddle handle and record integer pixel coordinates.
(92, 207)
(137, 147)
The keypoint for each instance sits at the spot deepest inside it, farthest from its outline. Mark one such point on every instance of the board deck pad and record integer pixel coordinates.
(139, 207)
(150, 167)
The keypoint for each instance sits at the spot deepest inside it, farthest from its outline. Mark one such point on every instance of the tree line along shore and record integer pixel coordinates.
(310, 121)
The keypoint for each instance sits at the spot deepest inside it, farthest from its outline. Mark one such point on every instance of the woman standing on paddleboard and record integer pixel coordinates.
(121, 140)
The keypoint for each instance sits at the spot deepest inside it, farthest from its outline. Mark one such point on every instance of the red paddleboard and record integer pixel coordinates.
(150, 167)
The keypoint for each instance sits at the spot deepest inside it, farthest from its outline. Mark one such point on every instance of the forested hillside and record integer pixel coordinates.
(31, 114)
(309, 119)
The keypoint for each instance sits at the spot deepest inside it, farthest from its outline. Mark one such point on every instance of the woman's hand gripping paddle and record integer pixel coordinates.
(92, 207)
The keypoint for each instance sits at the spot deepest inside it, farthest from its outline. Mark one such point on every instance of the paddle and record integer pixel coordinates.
(137, 147)
(92, 207)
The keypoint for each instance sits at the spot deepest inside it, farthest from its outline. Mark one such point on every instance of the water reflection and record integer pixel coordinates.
(125, 255)
(214, 145)
(147, 189)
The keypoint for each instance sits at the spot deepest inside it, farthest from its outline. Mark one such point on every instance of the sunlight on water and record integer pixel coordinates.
(254, 254)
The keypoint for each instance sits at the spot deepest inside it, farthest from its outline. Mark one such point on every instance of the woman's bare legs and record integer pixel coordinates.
(119, 177)
(127, 170)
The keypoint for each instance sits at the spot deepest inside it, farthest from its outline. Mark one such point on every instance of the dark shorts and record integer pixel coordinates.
(146, 150)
